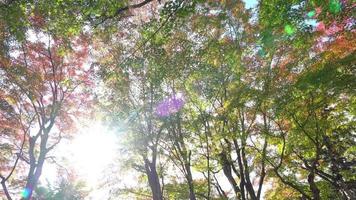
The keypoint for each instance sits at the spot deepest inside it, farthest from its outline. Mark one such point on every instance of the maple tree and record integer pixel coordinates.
(211, 99)
(40, 93)
(240, 118)
(42, 82)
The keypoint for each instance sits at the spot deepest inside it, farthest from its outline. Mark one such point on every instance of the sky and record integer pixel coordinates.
(250, 3)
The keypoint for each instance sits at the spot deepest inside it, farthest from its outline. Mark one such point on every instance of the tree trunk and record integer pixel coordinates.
(249, 185)
(226, 166)
(153, 180)
(241, 169)
(313, 187)
(190, 183)
(34, 175)
(36, 165)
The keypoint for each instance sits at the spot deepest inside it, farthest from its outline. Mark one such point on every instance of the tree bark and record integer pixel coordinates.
(241, 169)
(226, 166)
(153, 180)
(249, 186)
(35, 166)
(190, 183)
(313, 187)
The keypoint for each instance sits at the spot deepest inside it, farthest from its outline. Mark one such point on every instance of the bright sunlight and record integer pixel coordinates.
(92, 151)
(177, 99)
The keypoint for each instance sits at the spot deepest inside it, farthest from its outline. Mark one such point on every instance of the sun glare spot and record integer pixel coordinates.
(92, 151)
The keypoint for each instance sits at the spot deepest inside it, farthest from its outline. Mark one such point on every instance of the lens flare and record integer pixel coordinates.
(289, 29)
(311, 14)
(170, 105)
(25, 193)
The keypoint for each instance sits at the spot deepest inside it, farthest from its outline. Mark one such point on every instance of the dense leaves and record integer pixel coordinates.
(267, 99)
(212, 100)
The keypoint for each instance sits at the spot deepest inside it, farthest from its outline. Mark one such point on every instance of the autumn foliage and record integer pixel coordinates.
(43, 90)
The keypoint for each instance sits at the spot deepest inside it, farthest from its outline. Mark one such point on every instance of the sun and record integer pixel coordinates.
(92, 151)
(89, 154)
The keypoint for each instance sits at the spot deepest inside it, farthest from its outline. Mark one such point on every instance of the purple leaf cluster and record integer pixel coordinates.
(170, 105)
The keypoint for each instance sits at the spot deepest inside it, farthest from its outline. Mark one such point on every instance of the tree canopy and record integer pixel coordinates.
(230, 99)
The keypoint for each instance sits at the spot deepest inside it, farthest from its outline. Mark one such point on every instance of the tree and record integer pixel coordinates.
(40, 89)
(54, 71)
(62, 18)
(212, 92)
(133, 96)
(67, 188)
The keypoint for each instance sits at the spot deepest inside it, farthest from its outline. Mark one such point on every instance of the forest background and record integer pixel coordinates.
(177, 99)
